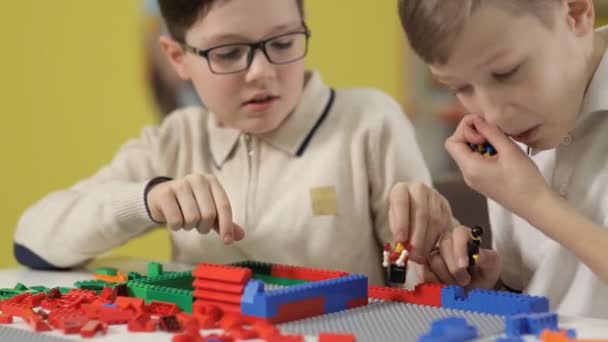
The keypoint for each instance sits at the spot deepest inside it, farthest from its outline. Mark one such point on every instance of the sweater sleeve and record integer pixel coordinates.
(69, 227)
(394, 156)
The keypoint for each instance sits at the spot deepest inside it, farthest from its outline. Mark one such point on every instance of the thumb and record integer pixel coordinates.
(495, 136)
(238, 232)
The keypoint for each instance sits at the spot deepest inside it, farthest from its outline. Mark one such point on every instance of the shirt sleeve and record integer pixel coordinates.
(71, 226)
(503, 241)
(394, 156)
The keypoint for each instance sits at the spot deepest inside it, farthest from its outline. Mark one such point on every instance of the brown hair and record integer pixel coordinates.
(180, 15)
(432, 25)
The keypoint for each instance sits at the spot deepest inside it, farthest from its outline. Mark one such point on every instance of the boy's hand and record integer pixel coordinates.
(509, 178)
(449, 262)
(419, 215)
(195, 201)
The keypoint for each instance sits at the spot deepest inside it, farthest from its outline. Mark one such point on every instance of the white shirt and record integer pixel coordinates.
(578, 170)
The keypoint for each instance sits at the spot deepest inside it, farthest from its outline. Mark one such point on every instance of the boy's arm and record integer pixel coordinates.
(555, 217)
(71, 226)
(394, 156)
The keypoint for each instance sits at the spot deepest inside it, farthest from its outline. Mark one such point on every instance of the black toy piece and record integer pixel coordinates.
(473, 246)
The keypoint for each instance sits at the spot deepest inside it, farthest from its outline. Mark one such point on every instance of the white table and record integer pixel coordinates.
(586, 328)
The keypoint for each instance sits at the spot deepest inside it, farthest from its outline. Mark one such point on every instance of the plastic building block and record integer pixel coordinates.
(451, 329)
(560, 336)
(336, 293)
(169, 323)
(486, 149)
(20, 287)
(389, 321)
(162, 308)
(173, 287)
(109, 271)
(228, 274)
(423, 294)
(120, 277)
(154, 269)
(267, 279)
(492, 302)
(331, 337)
(534, 324)
(304, 273)
(142, 323)
(91, 328)
(257, 267)
(92, 285)
(6, 319)
(221, 286)
(509, 339)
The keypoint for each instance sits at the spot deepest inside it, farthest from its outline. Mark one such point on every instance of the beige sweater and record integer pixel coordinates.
(314, 192)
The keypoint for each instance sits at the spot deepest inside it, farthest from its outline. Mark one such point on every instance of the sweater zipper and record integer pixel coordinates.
(249, 148)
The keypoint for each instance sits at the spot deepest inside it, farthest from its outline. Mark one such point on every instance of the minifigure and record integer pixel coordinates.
(395, 262)
(473, 245)
(486, 149)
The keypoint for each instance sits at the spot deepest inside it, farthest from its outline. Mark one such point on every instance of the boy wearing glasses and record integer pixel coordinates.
(281, 164)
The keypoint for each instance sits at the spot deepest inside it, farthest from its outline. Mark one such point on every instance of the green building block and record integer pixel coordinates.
(65, 290)
(262, 268)
(111, 271)
(39, 289)
(183, 298)
(134, 275)
(94, 285)
(20, 287)
(173, 287)
(155, 269)
(278, 280)
(8, 293)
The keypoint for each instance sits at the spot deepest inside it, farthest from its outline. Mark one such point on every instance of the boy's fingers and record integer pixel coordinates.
(206, 206)
(171, 211)
(239, 232)
(224, 210)
(399, 220)
(189, 208)
(419, 205)
(440, 269)
(494, 136)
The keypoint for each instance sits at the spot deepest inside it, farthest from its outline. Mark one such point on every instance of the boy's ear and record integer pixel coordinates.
(175, 54)
(581, 16)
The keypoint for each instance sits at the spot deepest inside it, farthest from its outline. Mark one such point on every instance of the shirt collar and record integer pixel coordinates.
(292, 135)
(595, 100)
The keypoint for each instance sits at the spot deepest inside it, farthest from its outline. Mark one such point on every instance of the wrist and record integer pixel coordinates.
(151, 184)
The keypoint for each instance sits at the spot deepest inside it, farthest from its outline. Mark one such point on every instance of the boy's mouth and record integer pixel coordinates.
(526, 135)
(261, 99)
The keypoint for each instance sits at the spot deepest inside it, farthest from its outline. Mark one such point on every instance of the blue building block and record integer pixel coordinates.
(534, 324)
(492, 302)
(338, 292)
(451, 329)
(510, 339)
(541, 321)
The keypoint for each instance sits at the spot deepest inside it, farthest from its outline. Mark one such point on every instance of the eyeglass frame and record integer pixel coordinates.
(260, 44)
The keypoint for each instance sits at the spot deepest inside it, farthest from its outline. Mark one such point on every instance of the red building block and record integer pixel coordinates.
(304, 273)
(170, 324)
(6, 319)
(91, 328)
(300, 309)
(156, 307)
(229, 274)
(424, 294)
(142, 323)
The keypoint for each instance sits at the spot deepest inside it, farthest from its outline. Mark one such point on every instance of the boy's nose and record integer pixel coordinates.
(260, 67)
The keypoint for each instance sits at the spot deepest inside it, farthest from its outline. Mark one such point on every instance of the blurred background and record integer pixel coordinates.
(81, 77)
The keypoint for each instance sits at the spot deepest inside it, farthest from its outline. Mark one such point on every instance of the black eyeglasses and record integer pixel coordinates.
(232, 58)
